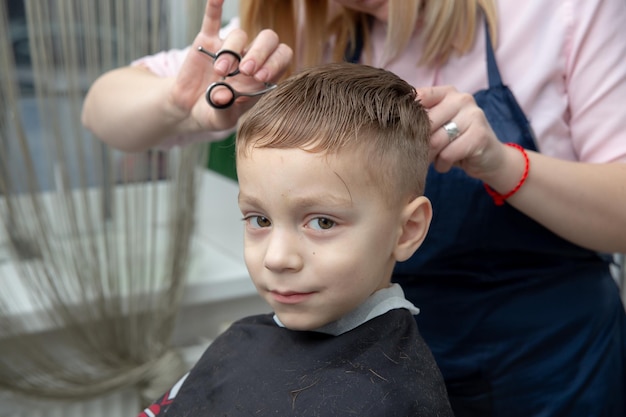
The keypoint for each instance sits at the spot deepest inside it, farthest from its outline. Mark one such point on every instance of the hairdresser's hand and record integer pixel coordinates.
(132, 109)
(476, 149)
(265, 59)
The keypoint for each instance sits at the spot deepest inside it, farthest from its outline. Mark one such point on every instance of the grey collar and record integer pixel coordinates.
(377, 304)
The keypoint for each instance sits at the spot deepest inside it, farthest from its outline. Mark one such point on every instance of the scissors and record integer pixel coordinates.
(224, 86)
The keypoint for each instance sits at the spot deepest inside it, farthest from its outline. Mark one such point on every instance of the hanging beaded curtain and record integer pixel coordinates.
(95, 242)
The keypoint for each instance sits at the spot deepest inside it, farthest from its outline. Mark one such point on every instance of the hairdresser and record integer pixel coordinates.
(528, 176)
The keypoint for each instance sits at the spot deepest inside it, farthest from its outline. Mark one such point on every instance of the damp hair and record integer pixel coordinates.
(343, 107)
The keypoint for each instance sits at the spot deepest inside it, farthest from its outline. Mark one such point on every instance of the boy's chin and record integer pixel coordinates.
(299, 322)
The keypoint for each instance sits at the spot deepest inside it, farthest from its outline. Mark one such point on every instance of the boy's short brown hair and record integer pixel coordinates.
(344, 107)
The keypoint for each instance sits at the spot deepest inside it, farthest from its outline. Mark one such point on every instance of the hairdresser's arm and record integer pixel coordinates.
(581, 202)
(128, 108)
(132, 109)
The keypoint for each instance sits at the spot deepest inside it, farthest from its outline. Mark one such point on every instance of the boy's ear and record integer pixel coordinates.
(416, 217)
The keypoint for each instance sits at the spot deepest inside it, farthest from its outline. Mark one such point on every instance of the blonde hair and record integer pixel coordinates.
(449, 26)
(342, 107)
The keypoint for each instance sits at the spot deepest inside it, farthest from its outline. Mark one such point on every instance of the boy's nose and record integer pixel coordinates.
(282, 252)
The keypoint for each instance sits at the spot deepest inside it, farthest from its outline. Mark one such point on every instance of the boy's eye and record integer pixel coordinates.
(321, 223)
(259, 221)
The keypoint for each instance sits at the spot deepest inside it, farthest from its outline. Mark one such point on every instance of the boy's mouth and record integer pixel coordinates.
(290, 297)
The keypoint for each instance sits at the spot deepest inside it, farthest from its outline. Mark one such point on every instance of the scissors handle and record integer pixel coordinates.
(220, 84)
(222, 52)
(234, 94)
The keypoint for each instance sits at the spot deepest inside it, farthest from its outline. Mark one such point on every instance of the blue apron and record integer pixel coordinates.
(520, 321)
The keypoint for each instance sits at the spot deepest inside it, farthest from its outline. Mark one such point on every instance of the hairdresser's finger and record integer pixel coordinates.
(470, 150)
(227, 63)
(441, 139)
(443, 107)
(276, 65)
(448, 103)
(259, 51)
(446, 151)
(431, 96)
(212, 20)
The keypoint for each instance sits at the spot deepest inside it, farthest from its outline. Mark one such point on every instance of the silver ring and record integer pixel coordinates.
(452, 130)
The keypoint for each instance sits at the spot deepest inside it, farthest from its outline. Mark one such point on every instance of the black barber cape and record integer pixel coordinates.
(381, 368)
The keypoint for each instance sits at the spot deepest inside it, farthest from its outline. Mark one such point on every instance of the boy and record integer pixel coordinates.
(331, 168)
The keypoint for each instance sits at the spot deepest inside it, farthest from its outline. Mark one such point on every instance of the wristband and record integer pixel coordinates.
(498, 198)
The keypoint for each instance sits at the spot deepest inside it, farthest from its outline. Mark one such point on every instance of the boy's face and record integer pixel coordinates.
(319, 236)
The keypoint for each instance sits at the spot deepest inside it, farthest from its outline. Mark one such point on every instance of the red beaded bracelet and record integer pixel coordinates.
(498, 198)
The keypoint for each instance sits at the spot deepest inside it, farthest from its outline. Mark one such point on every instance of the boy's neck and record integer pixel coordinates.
(377, 304)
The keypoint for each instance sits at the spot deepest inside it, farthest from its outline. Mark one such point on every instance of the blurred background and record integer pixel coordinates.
(114, 273)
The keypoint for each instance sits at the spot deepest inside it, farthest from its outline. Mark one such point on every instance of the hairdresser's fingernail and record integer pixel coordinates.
(221, 66)
(262, 75)
(247, 67)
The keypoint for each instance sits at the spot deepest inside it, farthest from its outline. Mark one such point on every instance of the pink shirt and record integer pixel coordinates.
(565, 62)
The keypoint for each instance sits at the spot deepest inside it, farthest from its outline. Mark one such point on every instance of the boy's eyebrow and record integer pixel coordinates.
(242, 198)
(322, 200)
(306, 201)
